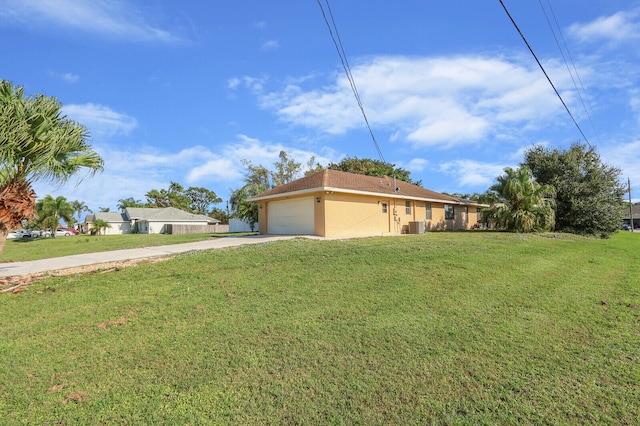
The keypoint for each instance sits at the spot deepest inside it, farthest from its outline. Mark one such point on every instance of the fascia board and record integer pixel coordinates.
(357, 192)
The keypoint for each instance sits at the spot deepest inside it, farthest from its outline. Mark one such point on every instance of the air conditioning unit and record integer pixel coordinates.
(416, 227)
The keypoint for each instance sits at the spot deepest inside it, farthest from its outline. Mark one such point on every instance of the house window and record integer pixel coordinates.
(407, 207)
(384, 207)
(428, 211)
(448, 212)
(466, 215)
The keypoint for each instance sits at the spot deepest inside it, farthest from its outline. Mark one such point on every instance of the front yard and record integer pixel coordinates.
(441, 328)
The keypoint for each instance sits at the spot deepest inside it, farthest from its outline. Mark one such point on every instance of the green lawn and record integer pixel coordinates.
(441, 328)
(18, 250)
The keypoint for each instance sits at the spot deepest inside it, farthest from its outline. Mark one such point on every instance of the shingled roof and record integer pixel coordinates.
(337, 181)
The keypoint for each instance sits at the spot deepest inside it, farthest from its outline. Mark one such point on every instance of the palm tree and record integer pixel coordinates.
(129, 202)
(523, 205)
(51, 210)
(99, 225)
(79, 207)
(36, 143)
(243, 209)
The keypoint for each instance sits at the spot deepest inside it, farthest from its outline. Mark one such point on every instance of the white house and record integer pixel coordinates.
(144, 220)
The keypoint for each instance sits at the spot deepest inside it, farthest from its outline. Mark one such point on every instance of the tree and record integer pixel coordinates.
(104, 209)
(193, 199)
(200, 199)
(523, 204)
(219, 214)
(123, 203)
(369, 167)
(98, 226)
(243, 209)
(589, 193)
(51, 210)
(36, 143)
(259, 179)
(79, 207)
(171, 197)
(285, 170)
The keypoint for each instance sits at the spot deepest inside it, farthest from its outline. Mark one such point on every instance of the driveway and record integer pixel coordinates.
(79, 260)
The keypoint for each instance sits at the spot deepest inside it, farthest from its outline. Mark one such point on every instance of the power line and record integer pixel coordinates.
(544, 72)
(573, 65)
(347, 69)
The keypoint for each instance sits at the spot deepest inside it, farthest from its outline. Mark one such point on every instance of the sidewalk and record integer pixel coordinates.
(59, 263)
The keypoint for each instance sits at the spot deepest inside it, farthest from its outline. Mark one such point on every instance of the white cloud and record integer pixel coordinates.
(270, 45)
(100, 120)
(132, 172)
(68, 77)
(417, 165)
(106, 17)
(619, 27)
(472, 173)
(439, 102)
(626, 157)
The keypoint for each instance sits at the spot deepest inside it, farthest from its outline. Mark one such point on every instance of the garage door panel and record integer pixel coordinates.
(291, 217)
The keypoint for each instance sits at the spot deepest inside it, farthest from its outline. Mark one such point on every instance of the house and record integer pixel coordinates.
(331, 203)
(118, 223)
(144, 220)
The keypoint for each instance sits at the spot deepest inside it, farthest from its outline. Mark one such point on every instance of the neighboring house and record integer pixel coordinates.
(118, 223)
(149, 220)
(331, 203)
(635, 211)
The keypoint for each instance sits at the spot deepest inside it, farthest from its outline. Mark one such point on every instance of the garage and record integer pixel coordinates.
(291, 217)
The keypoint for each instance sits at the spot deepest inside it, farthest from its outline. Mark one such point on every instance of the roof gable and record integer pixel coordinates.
(110, 217)
(338, 181)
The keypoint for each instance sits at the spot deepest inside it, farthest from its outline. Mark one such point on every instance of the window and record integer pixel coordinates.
(407, 207)
(428, 209)
(384, 207)
(448, 212)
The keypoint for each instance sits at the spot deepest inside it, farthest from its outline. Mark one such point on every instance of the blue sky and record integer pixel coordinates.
(183, 91)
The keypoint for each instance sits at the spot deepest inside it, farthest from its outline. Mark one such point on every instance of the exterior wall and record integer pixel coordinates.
(319, 202)
(347, 215)
(117, 228)
(338, 215)
(263, 220)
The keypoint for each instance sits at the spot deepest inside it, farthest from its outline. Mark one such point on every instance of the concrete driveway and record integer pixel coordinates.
(66, 262)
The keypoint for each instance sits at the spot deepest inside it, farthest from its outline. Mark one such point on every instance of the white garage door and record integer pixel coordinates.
(291, 217)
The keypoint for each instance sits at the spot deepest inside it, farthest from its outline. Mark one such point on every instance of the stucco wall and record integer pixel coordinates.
(348, 215)
(117, 228)
(339, 215)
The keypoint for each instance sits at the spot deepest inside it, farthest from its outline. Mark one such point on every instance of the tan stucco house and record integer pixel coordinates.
(331, 203)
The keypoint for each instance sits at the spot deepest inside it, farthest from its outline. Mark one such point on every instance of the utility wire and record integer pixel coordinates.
(573, 65)
(347, 69)
(544, 72)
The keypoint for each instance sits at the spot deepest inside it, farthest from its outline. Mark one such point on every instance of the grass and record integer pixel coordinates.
(23, 249)
(441, 328)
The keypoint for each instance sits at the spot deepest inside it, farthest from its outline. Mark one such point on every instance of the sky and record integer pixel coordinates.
(185, 91)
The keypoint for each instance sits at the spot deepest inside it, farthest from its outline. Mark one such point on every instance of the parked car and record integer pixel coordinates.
(21, 233)
(65, 232)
